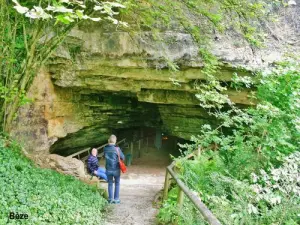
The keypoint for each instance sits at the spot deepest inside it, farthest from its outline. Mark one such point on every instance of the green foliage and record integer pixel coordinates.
(265, 132)
(171, 214)
(67, 12)
(45, 195)
(30, 32)
(263, 139)
(268, 198)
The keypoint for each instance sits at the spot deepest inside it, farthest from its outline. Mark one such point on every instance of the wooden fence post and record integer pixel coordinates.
(131, 149)
(147, 145)
(199, 151)
(166, 186)
(139, 148)
(180, 197)
(183, 191)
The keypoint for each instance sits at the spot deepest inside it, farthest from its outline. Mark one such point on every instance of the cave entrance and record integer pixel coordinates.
(127, 117)
(144, 148)
(150, 149)
(142, 140)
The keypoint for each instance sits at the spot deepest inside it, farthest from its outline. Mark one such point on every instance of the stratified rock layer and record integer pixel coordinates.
(102, 81)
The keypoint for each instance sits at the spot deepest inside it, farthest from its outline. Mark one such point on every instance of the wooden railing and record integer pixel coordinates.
(139, 143)
(183, 189)
(100, 154)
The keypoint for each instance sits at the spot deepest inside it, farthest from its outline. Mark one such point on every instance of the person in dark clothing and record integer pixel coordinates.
(113, 168)
(93, 166)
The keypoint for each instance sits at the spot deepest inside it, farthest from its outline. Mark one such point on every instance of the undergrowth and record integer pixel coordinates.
(46, 196)
(248, 171)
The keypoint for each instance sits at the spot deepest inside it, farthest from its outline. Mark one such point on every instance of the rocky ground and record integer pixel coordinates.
(139, 187)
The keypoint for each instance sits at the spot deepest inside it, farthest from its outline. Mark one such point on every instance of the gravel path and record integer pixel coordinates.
(139, 187)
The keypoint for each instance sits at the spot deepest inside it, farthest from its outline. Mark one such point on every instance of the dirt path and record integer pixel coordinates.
(139, 186)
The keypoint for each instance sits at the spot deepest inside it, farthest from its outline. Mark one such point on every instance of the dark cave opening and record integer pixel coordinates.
(141, 138)
(126, 117)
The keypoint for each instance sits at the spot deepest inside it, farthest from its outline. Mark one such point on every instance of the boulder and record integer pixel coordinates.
(65, 165)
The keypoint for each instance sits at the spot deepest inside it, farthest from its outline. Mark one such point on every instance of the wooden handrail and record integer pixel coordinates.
(202, 208)
(78, 153)
(87, 149)
(102, 146)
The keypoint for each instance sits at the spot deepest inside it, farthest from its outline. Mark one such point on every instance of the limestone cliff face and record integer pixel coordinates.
(101, 81)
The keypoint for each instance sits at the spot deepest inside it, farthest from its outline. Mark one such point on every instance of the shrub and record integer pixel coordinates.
(263, 139)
